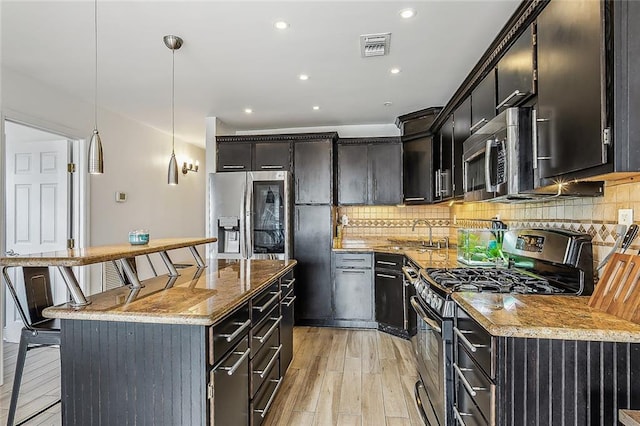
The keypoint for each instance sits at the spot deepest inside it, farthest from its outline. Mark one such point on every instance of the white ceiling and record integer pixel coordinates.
(233, 58)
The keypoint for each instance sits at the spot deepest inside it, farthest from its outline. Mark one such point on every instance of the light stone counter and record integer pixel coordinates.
(630, 417)
(192, 299)
(545, 317)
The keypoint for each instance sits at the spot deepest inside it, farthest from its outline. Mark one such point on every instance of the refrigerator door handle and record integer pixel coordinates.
(249, 216)
(243, 231)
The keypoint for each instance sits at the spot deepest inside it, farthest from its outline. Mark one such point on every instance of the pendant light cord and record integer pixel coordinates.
(95, 26)
(173, 108)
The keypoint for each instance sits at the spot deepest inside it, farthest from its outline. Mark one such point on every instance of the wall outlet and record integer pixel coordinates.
(625, 217)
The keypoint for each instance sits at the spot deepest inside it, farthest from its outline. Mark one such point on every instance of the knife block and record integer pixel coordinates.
(618, 291)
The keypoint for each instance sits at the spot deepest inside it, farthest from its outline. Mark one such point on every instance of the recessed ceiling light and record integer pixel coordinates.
(407, 13)
(281, 25)
(248, 110)
(303, 77)
(395, 70)
(388, 103)
(316, 107)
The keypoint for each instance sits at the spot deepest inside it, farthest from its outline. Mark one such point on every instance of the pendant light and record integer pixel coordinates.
(96, 160)
(174, 43)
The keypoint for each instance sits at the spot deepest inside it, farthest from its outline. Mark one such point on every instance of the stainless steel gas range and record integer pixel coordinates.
(541, 261)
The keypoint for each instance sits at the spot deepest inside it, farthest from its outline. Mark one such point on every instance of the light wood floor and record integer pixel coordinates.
(337, 377)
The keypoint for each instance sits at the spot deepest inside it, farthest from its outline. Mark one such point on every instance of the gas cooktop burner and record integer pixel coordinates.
(490, 280)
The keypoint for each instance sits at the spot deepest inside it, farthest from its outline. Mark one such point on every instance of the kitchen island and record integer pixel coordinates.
(540, 358)
(188, 349)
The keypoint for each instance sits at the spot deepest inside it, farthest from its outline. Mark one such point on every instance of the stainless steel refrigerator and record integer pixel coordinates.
(250, 214)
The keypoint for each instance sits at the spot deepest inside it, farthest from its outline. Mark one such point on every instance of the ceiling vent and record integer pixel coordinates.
(375, 44)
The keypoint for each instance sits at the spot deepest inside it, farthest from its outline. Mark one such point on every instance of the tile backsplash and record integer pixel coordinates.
(596, 216)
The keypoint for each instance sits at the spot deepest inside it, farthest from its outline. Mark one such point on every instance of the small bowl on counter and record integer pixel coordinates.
(139, 237)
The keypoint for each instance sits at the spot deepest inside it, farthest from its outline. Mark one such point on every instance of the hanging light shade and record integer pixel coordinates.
(96, 159)
(174, 43)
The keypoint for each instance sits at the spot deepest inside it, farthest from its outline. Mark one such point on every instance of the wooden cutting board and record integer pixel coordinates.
(618, 291)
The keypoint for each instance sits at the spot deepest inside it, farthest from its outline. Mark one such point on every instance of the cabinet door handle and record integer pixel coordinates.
(243, 325)
(506, 100)
(290, 301)
(537, 120)
(472, 390)
(458, 415)
(348, 271)
(472, 347)
(415, 199)
(231, 166)
(266, 369)
(382, 262)
(353, 259)
(263, 411)
(275, 325)
(269, 303)
(385, 276)
(272, 167)
(478, 125)
(288, 284)
(234, 367)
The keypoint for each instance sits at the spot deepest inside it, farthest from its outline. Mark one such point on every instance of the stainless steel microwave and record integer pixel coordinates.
(497, 159)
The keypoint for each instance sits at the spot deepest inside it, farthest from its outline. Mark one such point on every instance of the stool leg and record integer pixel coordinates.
(22, 356)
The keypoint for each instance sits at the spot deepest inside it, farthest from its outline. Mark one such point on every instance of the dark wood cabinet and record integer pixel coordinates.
(461, 126)
(312, 250)
(483, 101)
(443, 161)
(272, 156)
(313, 173)
(418, 172)
(515, 72)
(390, 293)
(353, 288)
(570, 102)
(234, 157)
(369, 171)
(353, 172)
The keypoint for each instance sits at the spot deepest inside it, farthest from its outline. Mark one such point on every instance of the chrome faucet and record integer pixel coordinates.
(426, 222)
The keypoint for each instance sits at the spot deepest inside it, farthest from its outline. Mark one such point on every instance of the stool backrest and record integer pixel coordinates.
(37, 288)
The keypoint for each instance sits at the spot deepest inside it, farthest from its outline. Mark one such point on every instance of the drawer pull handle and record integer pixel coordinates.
(234, 367)
(472, 347)
(382, 262)
(275, 325)
(263, 411)
(506, 100)
(239, 330)
(290, 301)
(264, 372)
(472, 390)
(356, 259)
(459, 415)
(415, 199)
(354, 271)
(385, 276)
(272, 167)
(289, 283)
(229, 166)
(478, 125)
(264, 307)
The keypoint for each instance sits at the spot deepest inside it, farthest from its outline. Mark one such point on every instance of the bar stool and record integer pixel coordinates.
(38, 331)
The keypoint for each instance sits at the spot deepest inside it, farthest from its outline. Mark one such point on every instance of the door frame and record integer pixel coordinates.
(80, 192)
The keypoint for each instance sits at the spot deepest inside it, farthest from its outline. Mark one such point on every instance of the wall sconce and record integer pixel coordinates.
(190, 167)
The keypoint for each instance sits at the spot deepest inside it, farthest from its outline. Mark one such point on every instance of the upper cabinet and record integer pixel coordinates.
(483, 101)
(515, 72)
(461, 126)
(313, 171)
(272, 156)
(443, 161)
(369, 171)
(570, 87)
(234, 156)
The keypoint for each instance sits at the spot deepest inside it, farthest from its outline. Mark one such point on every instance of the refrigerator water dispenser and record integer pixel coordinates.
(229, 233)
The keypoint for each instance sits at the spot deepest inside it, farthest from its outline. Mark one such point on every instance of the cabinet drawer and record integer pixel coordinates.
(264, 302)
(224, 335)
(468, 376)
(265, 360)
(353, 260)
(265, 396)
(287, 283)
(388, 261)
(231, 387)
(465, 412)
(476, 340)
(264, 331)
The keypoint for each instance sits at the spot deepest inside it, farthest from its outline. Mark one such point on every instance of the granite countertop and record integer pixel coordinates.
(630, 417)
(90, 255)
(545, 317)
(194, 299)
(431, 258)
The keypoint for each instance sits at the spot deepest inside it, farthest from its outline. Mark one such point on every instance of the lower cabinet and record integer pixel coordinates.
(392, 313)
(287, 308)
(353, 290)
(514, 381)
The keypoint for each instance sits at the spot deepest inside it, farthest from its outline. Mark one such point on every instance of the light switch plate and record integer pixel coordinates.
(625, 217)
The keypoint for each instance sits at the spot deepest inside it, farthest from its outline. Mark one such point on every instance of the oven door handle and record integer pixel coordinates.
(420, 311)
(407, 271)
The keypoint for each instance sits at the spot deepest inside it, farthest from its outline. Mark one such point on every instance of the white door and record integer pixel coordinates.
(37, 216)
